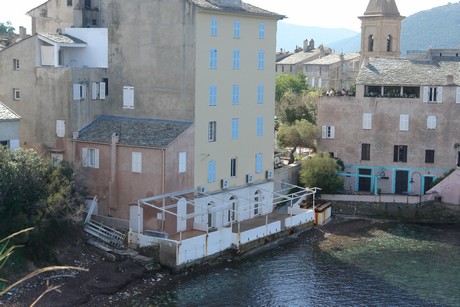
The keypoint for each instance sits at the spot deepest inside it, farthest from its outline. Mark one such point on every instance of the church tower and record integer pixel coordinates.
(381, 29)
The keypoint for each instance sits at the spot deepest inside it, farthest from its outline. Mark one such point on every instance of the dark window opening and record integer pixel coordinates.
(87, 4)
(429, 156)
(69, 2)
(458, 159)
(365, 152)
(392, 91)
(365, 180)
(432, 94)
(411, 92)
(106, 81)
(400, 153)
(372, 91)
(370, 43)
(233, 168)
(4, 143)
(389, 38)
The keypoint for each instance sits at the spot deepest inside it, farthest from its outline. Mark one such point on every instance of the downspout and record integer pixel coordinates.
(163, 189)
(113, 166)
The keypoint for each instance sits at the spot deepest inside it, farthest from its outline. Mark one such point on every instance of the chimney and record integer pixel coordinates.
(75, 135)
(115, 138)
(22, 32)
(366, 61)
(450, 79)
(312, 44)
(226, 3)
(342, 57)
(306, 46)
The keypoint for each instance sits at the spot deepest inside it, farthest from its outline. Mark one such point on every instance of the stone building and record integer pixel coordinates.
(9, 127)
(400, 132)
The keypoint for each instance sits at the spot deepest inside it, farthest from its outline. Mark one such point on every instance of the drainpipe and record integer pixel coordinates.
(113, 166)
(163, 189)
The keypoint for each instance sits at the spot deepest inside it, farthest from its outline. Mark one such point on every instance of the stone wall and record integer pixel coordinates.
(287, 174)
(430, 212)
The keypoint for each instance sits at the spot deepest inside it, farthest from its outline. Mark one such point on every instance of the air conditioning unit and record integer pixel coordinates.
(201, 189)
(249, 178)
(225, 183)
(269, 174)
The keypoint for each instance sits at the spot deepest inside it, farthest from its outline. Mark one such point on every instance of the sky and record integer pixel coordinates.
(322, 13)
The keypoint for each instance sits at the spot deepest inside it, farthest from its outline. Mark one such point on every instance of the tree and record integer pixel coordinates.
(297, 106)
(300, 134)
(6, 28)
(287, 82)
(36, 193)
(321, 171)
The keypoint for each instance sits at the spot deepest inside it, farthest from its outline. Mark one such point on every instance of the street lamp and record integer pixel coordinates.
(412, 181)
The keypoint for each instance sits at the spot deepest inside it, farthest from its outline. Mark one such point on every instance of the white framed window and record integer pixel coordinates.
(404, 122)
(367, 121)
(261, 60)
(136, 162)
(128, 97)
(213, 58)
(432, 94)
(212, 131)
(16, 94)
(236, 59)
(260, 126)
(15, 64)
(236, 29)
(431, 122)
(236, 95)
(235, 128)
(259, 160)
(458, 95)
(182, 162)
(60, 128)
(328, 132)
(213, 95)
(90, 157)
(214, 24)
(260, 93)
(261, 30)
(98, 90)
(211, 171)
(233, 167)
(79, 91)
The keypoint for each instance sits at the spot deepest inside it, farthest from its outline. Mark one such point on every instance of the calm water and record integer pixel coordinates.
(406, 265)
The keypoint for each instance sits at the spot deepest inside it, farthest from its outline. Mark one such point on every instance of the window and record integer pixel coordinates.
(404, 122)
(260, 93)
(236, 29)
(458, 95)
(259, 158)
(236, 59)
(233, 167)
(136, 164)
(69, 2)
(372, 91)
(370, 44)
(236, 95)
(400, 153)
(261, 60)
(429, 156)
(365, 152)
(392, 91)
(211, 171)
(411, 92)
(235, 128)
(98, 90)
(128, 97)
(79, 91)
(213, 58)
(90, 157)
(60, 128)
(328, 132)
(432, 94)
(367, 121)
(214, 24)
(261, 30)
(431, 122)
(182, 162)
(15, 64)
(260, 126)
(212, 131)
(16, 94)
(389, 39)
(213, 95)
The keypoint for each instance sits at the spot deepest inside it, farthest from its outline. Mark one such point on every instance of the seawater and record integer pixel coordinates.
(405, 265)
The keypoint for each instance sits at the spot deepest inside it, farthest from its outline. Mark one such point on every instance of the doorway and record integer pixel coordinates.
(402, 182)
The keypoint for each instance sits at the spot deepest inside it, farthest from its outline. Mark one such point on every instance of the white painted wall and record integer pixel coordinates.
(95, 54)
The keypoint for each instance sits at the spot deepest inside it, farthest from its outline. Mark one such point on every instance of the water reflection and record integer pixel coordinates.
(406, 265)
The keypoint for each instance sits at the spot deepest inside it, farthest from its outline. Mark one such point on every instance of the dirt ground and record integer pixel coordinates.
(108, 283)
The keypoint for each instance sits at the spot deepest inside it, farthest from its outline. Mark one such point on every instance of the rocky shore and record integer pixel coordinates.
(110, 283)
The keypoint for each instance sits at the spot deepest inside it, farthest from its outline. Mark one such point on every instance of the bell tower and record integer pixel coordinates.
(381, 29)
